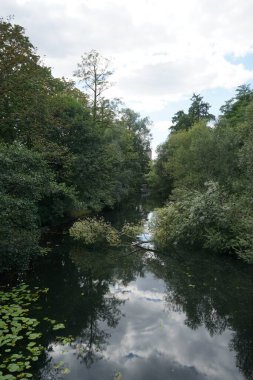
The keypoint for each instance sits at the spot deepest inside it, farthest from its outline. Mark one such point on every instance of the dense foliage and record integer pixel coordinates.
(96, 230)
(60, 154)
(206, 174)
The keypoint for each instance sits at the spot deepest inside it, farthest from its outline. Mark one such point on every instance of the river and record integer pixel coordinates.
(145, 316)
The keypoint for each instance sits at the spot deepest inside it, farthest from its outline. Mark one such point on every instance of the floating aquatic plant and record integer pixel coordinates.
(19, 333)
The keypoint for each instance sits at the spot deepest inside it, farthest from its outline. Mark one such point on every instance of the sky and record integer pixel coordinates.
(161, 51)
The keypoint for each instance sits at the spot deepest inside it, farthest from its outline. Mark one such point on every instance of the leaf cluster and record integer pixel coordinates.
(97, 230)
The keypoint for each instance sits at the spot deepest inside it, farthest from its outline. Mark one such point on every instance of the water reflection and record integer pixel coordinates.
(214, 293)
(180, 316)
(97, 275)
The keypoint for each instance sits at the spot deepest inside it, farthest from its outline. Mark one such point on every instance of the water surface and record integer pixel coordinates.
(140, 315)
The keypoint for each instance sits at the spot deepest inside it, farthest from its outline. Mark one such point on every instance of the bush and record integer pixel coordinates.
(92, 230)
(210, 219)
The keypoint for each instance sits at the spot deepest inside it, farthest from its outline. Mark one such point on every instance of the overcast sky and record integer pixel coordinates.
(161, 50)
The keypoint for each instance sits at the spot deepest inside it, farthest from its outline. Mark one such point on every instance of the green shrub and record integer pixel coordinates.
(92, 230)
(210, 219)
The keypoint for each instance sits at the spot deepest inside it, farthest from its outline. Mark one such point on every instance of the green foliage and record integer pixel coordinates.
(233, 111)
(94, 230)
(24, 179)
(186, 159)
(26, 183)
(203, 154)
(189, 160)
(19, 333)
(131, 230)
(159, 178)
(181, 121)
(198, 111)
(212, 219)
(217, 216)
(25, 86)
(62, 156)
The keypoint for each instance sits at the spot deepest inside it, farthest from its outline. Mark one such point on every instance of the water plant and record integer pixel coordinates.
(20, 334)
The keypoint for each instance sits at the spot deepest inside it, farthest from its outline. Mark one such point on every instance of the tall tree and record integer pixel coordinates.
(180, 122)
(233, 111)
(198, 110)
(24, 86)
(94, 72)
(139, 126)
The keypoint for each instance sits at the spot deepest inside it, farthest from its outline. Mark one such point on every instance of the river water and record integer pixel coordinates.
(145, 316)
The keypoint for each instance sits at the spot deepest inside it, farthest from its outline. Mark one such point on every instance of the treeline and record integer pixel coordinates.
(62, 150)
(205, 173)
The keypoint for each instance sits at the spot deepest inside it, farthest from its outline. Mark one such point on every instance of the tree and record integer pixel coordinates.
(159, 178)
(56, 161)
(138, 127)
(180, 122)
(188, 157)
(24, 180)
(211, 169)
(94, 72)
(233, 111)
(132, 121)
(25, 86)
(199, 110)
(17, 51)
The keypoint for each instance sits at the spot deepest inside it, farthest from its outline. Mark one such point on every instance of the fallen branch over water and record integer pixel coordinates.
(140, 246)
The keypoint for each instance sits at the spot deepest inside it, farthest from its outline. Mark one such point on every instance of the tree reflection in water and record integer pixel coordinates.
(210, 291)
(80, 281)
(104, 307)
(214, 292)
